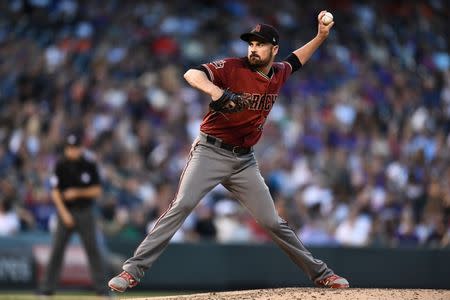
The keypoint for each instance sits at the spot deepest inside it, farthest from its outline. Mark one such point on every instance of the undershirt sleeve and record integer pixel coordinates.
(293, 61)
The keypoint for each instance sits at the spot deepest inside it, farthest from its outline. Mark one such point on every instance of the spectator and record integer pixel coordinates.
(9, 221)
(204, 226)
(406, 235)
(355, 230)
(229, 224)
(316, 231)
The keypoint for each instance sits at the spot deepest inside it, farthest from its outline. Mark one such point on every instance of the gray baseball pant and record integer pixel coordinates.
(207, 166)
(86, 227)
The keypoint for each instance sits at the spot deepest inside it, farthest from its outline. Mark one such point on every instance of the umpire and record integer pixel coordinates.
(75, 186)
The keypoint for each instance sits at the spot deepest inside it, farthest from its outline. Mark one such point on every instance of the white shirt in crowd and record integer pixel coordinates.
(9, 223)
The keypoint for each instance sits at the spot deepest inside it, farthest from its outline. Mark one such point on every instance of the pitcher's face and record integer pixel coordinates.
(261, 54)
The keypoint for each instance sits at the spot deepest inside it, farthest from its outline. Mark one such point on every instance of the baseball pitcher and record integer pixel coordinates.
(243, 91)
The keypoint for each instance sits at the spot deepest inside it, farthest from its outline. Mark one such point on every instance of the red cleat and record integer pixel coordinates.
(122, 281)
(334, 282)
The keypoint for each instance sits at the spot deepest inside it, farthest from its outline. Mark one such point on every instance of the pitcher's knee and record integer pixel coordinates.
(270, 225)
(184, 205)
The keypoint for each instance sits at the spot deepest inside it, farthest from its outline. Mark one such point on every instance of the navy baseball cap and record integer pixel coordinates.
(263, 32)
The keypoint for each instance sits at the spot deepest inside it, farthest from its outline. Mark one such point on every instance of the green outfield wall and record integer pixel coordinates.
(209, 266)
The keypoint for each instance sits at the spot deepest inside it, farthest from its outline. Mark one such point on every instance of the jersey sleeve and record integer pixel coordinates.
(56, 179)
(285, 70)
(216, 71)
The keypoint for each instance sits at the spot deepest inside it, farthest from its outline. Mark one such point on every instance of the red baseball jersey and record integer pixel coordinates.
(244, 128)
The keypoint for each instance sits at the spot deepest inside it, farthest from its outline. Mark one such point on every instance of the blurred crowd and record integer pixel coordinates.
(356, 151)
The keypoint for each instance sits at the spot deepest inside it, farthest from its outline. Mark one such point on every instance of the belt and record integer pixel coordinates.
(237, 150)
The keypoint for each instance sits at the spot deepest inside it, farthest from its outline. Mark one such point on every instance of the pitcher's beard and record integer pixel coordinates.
(257, 62)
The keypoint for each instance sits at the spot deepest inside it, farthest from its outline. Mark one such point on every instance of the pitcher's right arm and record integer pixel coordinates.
(198, 79)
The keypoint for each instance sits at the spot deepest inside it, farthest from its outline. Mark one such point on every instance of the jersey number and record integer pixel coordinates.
(261, 126)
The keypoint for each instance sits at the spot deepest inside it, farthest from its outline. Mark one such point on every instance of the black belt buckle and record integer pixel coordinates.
(238, 150)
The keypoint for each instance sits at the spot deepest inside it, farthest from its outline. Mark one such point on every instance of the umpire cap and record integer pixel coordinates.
(264, 32)
(73, 139)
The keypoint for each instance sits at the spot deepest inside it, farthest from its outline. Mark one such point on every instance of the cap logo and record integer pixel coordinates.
(71, 139)
(257, 28)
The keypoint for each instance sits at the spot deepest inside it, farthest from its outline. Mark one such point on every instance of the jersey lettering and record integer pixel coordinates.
(262, 102)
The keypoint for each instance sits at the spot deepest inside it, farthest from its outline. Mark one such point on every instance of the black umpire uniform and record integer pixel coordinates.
(75, 185)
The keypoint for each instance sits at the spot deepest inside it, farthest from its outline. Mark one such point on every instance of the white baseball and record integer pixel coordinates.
(327, 18)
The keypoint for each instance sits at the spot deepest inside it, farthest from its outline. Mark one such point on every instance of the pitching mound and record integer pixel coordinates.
(315, 294)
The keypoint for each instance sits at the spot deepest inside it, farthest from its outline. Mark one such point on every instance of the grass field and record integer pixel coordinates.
(21, 295)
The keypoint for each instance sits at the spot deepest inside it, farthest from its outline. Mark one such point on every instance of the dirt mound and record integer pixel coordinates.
(315, 294)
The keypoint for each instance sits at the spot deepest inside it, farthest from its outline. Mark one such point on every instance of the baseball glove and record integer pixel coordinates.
(229, 102)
